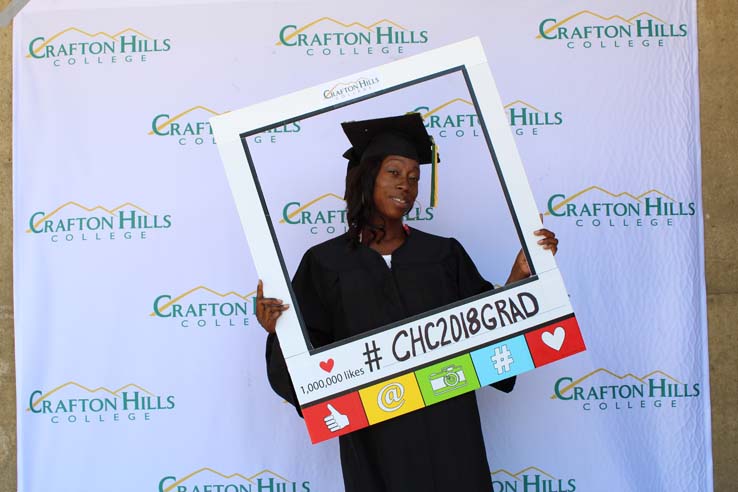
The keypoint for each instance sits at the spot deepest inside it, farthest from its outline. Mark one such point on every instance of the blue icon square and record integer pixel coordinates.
(502, 360)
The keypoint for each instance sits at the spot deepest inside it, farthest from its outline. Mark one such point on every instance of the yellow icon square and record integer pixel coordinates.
(391, 398)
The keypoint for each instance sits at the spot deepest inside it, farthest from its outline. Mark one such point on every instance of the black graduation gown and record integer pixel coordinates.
(343, 291)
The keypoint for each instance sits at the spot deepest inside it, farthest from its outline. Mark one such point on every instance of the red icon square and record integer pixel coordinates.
(335, 417)
(555, 341)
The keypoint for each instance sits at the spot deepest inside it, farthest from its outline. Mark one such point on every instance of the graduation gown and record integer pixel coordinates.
(344, 291)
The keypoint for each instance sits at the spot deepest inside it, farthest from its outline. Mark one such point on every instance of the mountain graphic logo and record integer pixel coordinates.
(100, 390)
(38, 219)
(521, 113)
(427, 112)
(452, 114)
(264, 480)
(460, 113)
(531, 478)
(522, 104)
(328, 212)
(167, 306)
(327, 35)
(625, 377)
(586, 25)
(351, 88)
(39, 48)
(285, 40)
(295, 209)
(588, 14)
(638, 198)
(596, 206)
(605, 390)
(73, 221)
(74, 43)
(73, 402)
(192, 121)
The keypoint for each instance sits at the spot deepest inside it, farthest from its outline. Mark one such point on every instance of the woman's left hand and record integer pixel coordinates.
(521, 269)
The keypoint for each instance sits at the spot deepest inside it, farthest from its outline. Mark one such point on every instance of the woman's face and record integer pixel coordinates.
(396, 186)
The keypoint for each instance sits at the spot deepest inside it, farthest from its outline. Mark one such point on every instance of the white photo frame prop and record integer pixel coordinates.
(415, 362)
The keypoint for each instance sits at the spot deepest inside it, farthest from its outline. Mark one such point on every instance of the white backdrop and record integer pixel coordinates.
(139, 362)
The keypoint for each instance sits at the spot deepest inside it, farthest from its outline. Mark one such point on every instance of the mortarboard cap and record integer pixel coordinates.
(404, 135)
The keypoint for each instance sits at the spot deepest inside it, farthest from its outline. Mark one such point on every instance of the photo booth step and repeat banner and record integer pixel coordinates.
(140, 364)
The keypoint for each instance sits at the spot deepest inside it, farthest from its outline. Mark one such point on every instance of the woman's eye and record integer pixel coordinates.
(414, 178)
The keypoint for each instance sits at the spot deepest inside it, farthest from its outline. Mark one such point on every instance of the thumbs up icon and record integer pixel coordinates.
(336, 420)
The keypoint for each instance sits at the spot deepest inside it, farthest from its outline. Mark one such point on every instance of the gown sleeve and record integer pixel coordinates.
(471, 283)
(306, 285)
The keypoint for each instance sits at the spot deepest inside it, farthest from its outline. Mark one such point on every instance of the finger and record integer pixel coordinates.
(548, 241)
(552, 245)
(331, 409)
(544, 232)
(260, 290)
(270, 301)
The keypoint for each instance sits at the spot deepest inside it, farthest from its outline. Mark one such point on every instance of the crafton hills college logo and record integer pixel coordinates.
(210, 480)
(326, 214)
(74, 403)
(74, 222)
(457, 118)
(75, 47)
(604, 390)
(202, 307)
(598, 207)
(327, 36)
(587, 29)
(191, 127)
(531, 479)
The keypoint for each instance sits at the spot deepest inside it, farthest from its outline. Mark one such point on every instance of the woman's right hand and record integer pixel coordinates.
(268, 309)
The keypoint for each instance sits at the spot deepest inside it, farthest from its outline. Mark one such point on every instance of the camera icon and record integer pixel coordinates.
(447, 379)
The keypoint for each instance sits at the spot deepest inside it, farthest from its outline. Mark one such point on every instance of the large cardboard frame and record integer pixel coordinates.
(386, 372)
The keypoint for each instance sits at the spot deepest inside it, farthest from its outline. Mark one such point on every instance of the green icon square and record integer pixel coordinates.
(447, 379)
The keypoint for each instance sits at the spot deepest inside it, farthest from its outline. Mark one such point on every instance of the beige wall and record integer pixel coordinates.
(7, 360)
(718, 43)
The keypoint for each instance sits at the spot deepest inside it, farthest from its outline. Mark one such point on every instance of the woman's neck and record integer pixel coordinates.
(391, 237)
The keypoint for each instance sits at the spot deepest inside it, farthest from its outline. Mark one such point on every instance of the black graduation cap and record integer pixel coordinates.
(404, 135)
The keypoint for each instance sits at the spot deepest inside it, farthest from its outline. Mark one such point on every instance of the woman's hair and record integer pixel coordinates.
(359, 196)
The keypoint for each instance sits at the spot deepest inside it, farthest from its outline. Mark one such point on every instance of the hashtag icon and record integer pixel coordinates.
(372, 355)
(502, 359)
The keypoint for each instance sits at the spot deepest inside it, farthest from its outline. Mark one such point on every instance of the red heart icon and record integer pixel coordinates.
(327, 365)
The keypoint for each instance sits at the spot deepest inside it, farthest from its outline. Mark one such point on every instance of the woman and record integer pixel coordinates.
(377, 273)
